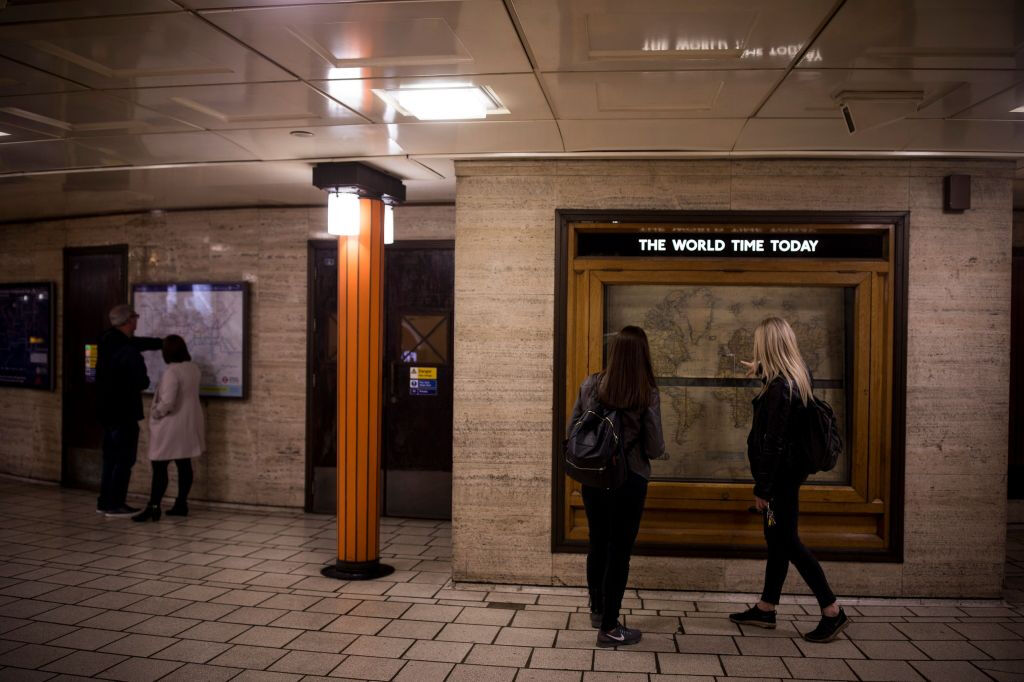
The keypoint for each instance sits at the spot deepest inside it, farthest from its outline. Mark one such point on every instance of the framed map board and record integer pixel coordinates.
(26, 335)
(213, 318)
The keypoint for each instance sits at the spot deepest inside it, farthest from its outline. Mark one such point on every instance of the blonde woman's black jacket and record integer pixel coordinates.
(778, 412)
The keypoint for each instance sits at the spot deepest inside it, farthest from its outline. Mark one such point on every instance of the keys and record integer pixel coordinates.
(770, 515)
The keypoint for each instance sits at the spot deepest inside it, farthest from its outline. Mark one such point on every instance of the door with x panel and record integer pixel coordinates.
(418, 379)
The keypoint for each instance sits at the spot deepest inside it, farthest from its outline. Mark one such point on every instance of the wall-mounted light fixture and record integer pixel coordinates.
(349, 182)
(389, 223)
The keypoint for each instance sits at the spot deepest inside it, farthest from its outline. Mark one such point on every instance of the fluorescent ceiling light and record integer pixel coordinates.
(443, 103)
(1018, 110)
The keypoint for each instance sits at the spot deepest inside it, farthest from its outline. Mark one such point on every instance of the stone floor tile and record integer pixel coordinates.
(689, 664)
(324, 642)
(706, 644)
(533, 675)
(114, 620)
(253, 615)
(926, 631)
(614, 677)
(459, 632)
(838, 648)
(23, 675)
(754, 666)
(526, 637)
(32, 655)
(424, 671)
(652, 623)
(380, 609)
(261, 635)
(562, 659)
(709, 626)
(302, 620)
(1002, 649)
(251, 657)
(140, 670)
(502, 656)
(368, 668)
(955, 651)
(477, 616)
(357, 625)
(267, 676)
(39, 633)
(193, 672)
(950, 671)
(387, 647)
(883, 631)
(167, 626)
(412, 629)
(192, 651)
(884, 671)
(432, 612)
(87, 663)
(113, 600)
(334, 605)
(625, 661)
(307, 663)
(196, 593)
(988, 631)
(895, 651)
(819, 669)
(214, 632)
(540, 619)
(68, 614)
(242, 597)
(25, 608)
(445, 652)
(88, 639)
(481, 673)
(761, 646)
(157, 606)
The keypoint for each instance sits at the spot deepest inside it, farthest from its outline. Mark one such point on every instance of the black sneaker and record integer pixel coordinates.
(618, 636)
(756, 617)
(828, 628)
(595, 619)
(123, 510)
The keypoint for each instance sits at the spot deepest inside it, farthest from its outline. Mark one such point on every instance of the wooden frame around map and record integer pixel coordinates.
(860, 521)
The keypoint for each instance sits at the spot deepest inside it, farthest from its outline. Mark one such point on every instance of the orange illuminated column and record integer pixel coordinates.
(360, 362)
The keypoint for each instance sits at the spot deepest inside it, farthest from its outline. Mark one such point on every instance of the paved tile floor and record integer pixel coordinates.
(238, 595)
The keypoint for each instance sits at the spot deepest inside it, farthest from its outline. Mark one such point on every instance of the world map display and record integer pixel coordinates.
(211, 319)
(698, 336)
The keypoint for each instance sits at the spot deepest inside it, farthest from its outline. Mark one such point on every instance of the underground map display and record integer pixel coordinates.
(698, 335)
(211, 319)
(26, 335)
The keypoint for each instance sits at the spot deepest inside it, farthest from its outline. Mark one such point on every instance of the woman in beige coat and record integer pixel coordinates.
(176, 430)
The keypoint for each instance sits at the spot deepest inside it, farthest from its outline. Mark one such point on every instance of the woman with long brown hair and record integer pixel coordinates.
(626, 385)
(780, 409)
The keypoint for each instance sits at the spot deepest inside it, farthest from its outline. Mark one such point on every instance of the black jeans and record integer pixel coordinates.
(160, 481)
(613, 518)
(784, 546)
(120, 448)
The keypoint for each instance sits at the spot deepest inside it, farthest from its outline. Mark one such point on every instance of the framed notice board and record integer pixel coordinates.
(213, 318)
(27, 335)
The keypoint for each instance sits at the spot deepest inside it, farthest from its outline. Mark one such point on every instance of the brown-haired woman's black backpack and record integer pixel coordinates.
(594, 451)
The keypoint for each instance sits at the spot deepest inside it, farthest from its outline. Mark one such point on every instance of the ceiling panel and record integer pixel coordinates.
(83, 114)
(49, 10)
(245, 105)
(361, 40)
(924, 34)
(477, 137)
(443, 167)
(16, 79)
(142, 150)
(610, 35)
(1000, 137)
(1000, 107)
(659, 94)
(326, 142)
(52, 154)
(10, 134)
(877, 97)
(650, 135)
(519, 93)
(136, 51)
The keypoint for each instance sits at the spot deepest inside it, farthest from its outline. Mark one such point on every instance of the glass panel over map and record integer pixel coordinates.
(698, 335)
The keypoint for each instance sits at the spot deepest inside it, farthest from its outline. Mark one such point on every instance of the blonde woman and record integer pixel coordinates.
(779, 410)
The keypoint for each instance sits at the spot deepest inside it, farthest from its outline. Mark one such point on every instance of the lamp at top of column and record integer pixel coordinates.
(343, 213)
(389, 222)
(347, 182)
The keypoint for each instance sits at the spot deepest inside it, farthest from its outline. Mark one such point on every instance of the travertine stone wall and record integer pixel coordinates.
(256, 447)
(957, 368)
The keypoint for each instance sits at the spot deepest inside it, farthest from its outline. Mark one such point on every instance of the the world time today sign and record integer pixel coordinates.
(824, 245)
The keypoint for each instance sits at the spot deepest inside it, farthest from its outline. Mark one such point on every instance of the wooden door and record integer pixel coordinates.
(322, 378)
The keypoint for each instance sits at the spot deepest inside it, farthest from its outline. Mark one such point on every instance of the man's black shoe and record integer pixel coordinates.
(755, 616)
(595, 619)
(123, 510)
(828, 628)
(618, 636)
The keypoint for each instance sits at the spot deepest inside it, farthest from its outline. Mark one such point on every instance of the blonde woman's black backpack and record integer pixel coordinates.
(820, 442)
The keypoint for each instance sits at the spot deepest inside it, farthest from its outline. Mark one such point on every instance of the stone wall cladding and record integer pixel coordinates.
(256, 447)
(957, 364)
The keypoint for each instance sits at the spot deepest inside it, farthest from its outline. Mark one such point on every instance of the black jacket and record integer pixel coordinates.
(777, 414)
(121, 377)
(641, 428)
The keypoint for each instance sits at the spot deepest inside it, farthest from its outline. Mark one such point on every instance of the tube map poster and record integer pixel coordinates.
(26, 335)
(211, 319)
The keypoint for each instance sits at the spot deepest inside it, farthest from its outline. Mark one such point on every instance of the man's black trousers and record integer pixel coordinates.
(120, 448)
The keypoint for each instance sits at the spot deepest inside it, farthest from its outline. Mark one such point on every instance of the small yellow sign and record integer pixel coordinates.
(423, 372)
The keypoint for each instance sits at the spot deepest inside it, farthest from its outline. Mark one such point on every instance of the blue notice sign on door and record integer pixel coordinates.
(422, 386)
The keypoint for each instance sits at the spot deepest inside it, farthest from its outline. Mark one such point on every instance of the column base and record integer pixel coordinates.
(356, 570)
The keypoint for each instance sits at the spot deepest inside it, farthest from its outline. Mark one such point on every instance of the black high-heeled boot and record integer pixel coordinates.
(179, 509)
(150, 513)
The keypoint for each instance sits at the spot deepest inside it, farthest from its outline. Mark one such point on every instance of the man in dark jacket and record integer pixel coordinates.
(120, 379)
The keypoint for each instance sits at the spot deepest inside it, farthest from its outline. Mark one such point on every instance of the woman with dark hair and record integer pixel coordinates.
(613, 516)
(176, 429)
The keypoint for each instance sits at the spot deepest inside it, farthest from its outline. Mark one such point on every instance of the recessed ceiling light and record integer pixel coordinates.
(1018, 110)
(443, 102)
(301, 133)
(2, 133)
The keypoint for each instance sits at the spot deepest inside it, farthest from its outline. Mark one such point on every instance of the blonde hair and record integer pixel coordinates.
(777, 355)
